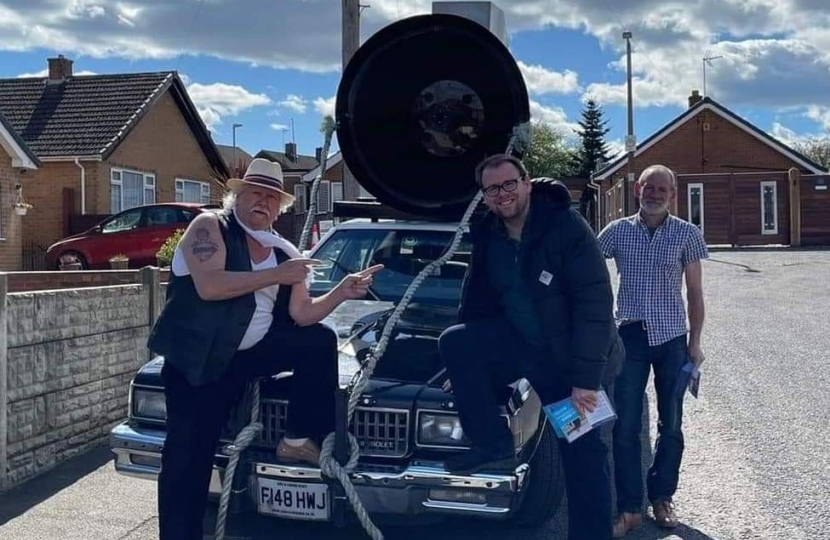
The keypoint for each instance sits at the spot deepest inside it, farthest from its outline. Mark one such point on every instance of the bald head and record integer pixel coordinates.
(658, 171)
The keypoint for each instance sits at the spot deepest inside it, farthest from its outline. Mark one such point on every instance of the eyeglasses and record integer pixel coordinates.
(507, 186)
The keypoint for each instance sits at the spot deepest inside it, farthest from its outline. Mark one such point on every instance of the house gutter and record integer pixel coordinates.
(83, 186)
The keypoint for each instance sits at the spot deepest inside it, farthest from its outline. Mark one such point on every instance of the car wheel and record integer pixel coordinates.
(78, 256)
(545, 482)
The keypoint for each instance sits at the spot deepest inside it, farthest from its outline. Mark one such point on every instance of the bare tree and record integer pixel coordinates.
(817, 149)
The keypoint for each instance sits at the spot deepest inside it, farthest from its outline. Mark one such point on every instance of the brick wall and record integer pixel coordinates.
(10, 241)
(66, 361)
(43, 189)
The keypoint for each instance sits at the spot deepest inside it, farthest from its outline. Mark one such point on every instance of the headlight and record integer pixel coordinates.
(149, 404)
(436, 429)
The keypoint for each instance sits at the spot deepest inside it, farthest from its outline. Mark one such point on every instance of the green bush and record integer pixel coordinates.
(164, 256)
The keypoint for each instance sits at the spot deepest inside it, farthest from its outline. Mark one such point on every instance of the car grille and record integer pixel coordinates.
(379, 432)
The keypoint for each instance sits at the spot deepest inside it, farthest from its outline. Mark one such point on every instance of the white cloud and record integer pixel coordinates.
(540, 80)
(820, 115)
(615, 148)
(217, 100)
(278, 127)
(786, 135)
(295, 103)
(325, 106)
(553, 116)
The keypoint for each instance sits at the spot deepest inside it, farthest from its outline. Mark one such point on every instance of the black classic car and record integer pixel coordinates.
(405, 424)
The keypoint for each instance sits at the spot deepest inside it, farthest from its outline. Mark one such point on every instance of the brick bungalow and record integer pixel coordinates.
(107, 143)
(16, 160)
(733, 178)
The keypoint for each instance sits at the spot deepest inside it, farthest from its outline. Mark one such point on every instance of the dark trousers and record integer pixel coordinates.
(484, 356)
(196, 416)
(667, 360)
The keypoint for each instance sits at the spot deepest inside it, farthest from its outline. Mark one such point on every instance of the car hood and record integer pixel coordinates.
(358, 324)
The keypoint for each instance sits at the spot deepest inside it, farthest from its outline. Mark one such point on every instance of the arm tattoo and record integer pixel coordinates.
(203, 248)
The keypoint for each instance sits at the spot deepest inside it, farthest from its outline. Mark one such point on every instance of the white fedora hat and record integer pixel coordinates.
(263, 173)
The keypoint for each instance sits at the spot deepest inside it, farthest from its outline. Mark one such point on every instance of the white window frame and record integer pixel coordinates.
(148, 184)
(324, 209)
(300, 206)
(336, 193)
(204, 190)
(689, 205)
(774, 184)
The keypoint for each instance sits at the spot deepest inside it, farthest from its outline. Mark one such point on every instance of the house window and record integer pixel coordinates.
(336, 193)
(299, 199)
(324, 197)
(190, 191)
(129, 189)
(695, 198)
(769, 207)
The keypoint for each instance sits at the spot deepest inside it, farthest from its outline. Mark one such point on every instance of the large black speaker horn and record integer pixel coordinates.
(420, 104)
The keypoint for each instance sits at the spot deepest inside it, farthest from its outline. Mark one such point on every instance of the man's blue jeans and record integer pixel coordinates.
(667, 359)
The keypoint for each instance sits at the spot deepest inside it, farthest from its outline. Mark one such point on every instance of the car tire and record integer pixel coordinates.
(545, 482)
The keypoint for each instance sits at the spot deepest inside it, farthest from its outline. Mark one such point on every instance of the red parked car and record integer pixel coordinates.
(137, 233)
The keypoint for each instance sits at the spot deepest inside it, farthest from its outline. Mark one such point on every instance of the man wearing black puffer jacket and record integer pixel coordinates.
(537, 303)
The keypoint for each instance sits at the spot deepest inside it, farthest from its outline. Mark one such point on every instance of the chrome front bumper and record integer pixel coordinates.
(420, 488)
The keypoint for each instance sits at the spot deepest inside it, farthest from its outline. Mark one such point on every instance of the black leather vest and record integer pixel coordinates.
(200, 337)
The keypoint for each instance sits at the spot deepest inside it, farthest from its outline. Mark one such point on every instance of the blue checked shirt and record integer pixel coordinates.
(651, 272)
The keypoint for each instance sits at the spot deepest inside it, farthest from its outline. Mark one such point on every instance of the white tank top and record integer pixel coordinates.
(265, 299)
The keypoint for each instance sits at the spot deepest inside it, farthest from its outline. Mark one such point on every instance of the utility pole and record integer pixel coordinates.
(350, 43)
(630, 140)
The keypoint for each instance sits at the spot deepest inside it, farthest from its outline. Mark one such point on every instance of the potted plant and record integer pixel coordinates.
(164, 256)
(69, 261)
(119, 262)
(20, 208)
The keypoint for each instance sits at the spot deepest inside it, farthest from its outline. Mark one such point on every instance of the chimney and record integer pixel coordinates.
(318, 154)
(695, 98)
(60, 68)
(291, 151)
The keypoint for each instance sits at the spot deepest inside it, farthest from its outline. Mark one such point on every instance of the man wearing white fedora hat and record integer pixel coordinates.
(238, 308)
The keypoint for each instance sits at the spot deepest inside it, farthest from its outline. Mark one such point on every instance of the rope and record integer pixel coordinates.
(519, 140)
(243, 439)
(328, 129)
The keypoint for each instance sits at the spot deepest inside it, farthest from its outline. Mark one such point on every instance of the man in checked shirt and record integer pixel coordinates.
(653, 250)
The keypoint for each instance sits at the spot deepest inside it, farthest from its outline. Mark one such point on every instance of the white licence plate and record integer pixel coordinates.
(293, 500)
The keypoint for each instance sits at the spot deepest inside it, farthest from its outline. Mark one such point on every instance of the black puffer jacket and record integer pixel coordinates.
(576, 306)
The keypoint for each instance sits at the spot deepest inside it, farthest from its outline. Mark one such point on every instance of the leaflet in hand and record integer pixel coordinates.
(689, 377)
(570, 425)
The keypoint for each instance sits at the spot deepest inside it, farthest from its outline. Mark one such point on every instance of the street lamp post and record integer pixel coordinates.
(235, 157)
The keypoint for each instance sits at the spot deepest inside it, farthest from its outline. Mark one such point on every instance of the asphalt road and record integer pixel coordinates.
(757, 462)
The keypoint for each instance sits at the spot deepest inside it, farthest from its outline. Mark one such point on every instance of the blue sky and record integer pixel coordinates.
(266, 63)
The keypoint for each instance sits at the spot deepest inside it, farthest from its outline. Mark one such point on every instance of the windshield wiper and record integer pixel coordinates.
(346, 271)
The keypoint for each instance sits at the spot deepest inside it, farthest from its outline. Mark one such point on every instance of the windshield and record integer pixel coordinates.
(404, 253)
